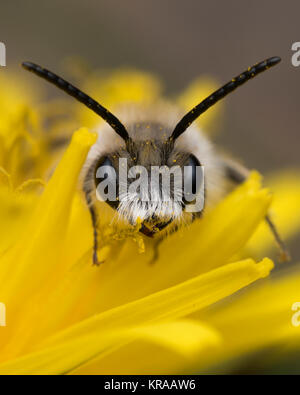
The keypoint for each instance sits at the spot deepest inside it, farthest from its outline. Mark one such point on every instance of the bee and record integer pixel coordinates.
(154, 137)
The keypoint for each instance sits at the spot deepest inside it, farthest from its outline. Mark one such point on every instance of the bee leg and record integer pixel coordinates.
(94, 223)
(158, 241)
(238, 174)
(284, 252)
(196, 216)
(155, 251)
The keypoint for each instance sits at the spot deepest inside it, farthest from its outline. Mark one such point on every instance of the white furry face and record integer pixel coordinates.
(149, 132)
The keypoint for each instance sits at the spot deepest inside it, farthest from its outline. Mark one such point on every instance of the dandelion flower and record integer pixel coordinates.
(66, 316)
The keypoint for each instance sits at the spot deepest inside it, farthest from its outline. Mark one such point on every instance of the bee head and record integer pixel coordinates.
(150, 180)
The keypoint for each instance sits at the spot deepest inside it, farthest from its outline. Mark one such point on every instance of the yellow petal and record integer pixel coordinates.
(174, 302)
(31, 186)
(184, 337)
(15, 213)
(36, 259)
(48, 225)
(5, 179)
(169, 304)
(260, 318)
(180, 342)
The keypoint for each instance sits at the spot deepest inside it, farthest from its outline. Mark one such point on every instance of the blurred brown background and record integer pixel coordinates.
(179, 40)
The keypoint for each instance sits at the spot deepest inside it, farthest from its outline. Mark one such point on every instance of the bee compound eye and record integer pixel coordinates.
(106, 182)
(193, 179)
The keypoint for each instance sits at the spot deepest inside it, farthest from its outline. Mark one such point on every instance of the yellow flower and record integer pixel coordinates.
(19, 131)
(27, 149)
(66, 316)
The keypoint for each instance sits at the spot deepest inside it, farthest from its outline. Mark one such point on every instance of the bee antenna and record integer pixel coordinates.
(80, 96)
(211, 100)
